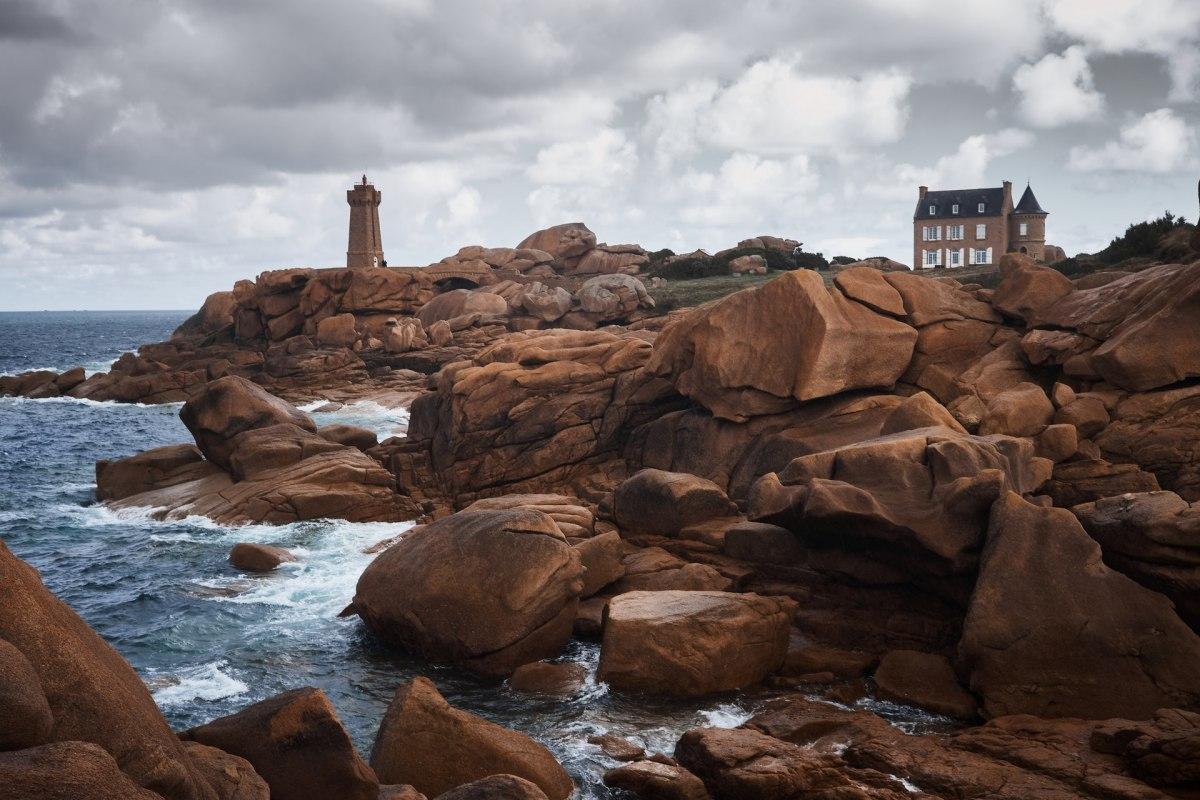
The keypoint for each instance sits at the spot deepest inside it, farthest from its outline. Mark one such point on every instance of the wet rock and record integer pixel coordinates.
(820, 343)
(654, 501)
(297, 744)
(589, 620)
(542, 677)
(495, 787)
(349, 435)
(616, 747)
(651, 780)
(692, 642)
(924, 680)
(258, 557)
(490, 590)
(67, 770)
(92, 693)
(1051, 631)
(425, 742)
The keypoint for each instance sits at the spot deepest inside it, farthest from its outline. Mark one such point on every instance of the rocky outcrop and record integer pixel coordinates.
(692, 642)
(910, 506)
(1127, 331)
(1154, 538)
(567, 244)
(925, 680)
(1051, 631)
(296, 742)
(654, 780)
(495, 787)
(490, 590)
(1160, 432)
(536, 411)
(765, 350)
(425, 742)
(266, 462)
(94, 696)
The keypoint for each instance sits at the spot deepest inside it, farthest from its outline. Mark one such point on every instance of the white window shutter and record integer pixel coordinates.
(960, 255)
(971, 256)
(989, 256)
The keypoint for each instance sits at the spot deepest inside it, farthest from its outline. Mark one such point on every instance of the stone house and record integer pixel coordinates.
(967, 227)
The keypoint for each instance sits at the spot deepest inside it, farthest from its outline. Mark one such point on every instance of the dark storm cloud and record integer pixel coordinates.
(29, 20)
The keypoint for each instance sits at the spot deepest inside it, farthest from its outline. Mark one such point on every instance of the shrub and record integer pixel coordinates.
(843, 260)
(1141, 239)
(811, 261)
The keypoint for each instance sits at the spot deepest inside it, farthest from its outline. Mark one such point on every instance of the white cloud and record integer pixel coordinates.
(1158, 142)
(747, 190)
(600, 160)
(774, 108)
(1167, 28)
(966, 167)
(1058, 90)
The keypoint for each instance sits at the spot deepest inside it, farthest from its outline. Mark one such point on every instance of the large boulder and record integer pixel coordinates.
(427, 743)
(1026, 288)
(566, 243)
(297, 744)
(607, 298)
(461, 302)
(765, 350)
(231, 777)
(92, 693)
(494, 787)
(545, 302)
(1160, 432)
(664, 503)
(490, 590)
(1052, 631)
(1154, 538)
(925, 680)
(692, 643)
(232, 405)
(66, 771)
(216, 313)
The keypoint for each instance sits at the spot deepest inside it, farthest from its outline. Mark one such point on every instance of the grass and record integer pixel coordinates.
(693, 292)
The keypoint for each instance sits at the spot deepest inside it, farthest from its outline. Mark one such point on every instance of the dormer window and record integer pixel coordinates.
(981, 207)
(933, 209)
(954, 208)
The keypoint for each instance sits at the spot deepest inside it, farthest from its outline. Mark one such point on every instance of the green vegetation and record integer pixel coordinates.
(1142, 239)
(695, 291)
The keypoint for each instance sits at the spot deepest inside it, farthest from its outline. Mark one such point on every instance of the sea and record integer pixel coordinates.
(208, 639)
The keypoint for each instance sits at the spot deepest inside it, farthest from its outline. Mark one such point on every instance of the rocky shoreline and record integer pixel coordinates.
(980, 502)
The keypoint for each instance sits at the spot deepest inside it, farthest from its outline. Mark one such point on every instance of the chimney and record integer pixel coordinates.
(1007, 194)
(921, 190)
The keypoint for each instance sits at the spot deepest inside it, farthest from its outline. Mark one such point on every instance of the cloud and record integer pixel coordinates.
(1058, 90)
(603, 159)
(967, 167)
(776, 108)
(1158, 142)
(1166, 28)
(746, 190)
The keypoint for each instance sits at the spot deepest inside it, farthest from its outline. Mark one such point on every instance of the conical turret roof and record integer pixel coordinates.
(1029, 204)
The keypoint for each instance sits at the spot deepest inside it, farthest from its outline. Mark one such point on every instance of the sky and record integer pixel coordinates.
(155, 151)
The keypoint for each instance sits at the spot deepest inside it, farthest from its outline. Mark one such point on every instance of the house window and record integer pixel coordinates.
(954, 231)
(981, 257)
(954, 208)
(932, 233)
(981, 231)
(1024, 228)
(981, 208)
(932, 210)
(956, 258)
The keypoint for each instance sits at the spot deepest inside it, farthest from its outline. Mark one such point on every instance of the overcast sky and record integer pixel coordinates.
(154, 152)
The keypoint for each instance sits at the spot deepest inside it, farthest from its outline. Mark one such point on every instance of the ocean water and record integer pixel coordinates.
(208, 639)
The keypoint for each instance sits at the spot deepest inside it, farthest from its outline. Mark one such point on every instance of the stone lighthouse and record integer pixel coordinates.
(366, 247)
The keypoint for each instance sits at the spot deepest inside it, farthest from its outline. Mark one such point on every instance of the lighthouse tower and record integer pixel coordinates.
(365, 248)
